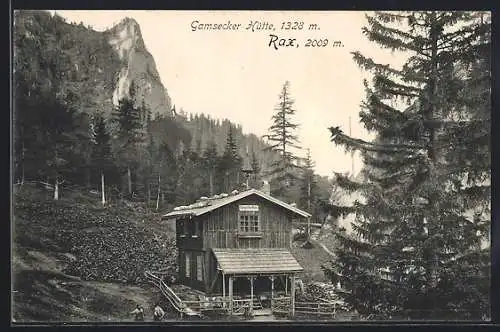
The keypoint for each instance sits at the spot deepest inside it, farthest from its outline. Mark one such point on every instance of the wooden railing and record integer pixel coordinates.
(281, 305)
(325, 309)
(241, 306)
(209, 305)
(174, 300)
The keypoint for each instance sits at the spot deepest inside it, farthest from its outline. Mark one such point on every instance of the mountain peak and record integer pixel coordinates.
(125, 36)
(139, 67)
(126, 21)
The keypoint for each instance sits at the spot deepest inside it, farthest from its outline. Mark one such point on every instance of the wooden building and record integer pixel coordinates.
(237, 246)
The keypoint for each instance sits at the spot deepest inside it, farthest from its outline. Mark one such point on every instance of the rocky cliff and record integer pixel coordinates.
(138, 66)
(76, 60)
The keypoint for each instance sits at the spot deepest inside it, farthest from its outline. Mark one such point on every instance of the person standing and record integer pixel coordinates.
(158, 313)
(139, 313)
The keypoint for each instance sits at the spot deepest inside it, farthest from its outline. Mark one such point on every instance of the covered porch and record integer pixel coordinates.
(257, 281)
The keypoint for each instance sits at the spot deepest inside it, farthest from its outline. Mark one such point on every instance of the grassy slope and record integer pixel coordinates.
(41, 289)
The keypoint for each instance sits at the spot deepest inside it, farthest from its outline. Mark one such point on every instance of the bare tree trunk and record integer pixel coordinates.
(309, 208)
(56, 187)
(102, 188)
(226, 181)
(211, 179)
(56, 190)
(129, 179)
(159, 192)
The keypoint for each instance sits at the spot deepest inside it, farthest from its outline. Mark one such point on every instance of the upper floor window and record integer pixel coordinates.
(249, 219)
(197, 228)
(185, 228)
(190, 228)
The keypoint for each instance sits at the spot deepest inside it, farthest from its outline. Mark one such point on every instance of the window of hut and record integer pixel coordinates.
(249, 219)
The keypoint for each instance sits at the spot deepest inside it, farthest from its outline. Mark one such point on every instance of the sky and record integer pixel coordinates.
(234, 74)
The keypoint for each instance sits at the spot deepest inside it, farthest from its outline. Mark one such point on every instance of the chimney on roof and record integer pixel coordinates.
(266, 188)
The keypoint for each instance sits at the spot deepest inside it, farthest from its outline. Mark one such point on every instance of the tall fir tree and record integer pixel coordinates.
(59, 132)
(282, 139)
(415, 250)
(308, 184)
(210, 159)
(129, 132)
(102, 158)
(230, 162)
(256, 171)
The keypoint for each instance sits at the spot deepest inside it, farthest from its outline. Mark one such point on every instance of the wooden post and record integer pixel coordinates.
(286, 285)
(293, 295)
(230, 295)
(103, 196)
(308, 229)
(223, 285)
(251, 295)
(272, 292)
(272, 288)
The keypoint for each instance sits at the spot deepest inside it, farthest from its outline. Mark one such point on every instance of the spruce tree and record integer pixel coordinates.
(59, 129)
(256, 171)
(129, 131)
(282, 139)
(102, 159)
(308, 184)
(254, 162)
(415, 251)
(210, 159)
(231, 161)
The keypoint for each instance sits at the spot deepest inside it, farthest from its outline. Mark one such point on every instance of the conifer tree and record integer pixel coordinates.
(210, 159)
(129, 131)
(415, 251)
(256, 170)
(230, 164)
(308, 184)
(282, 139)
(59, 132)
(101, 153)
(255, 163)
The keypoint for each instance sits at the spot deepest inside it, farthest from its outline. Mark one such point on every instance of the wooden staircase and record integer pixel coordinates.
(257, 304)
(174, 300)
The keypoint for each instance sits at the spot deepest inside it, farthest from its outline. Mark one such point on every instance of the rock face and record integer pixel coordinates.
(138, 66)
(97, 67)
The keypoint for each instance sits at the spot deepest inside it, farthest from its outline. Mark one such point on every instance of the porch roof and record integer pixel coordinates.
(256, 261)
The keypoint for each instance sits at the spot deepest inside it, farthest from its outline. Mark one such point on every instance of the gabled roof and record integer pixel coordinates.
(207, 205)
(266, 261)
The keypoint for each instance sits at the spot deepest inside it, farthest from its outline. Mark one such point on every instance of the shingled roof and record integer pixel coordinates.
(205, 204)
(266, 261)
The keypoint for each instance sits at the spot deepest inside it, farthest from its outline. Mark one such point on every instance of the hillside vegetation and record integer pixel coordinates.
(72, 261)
